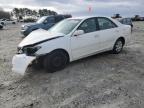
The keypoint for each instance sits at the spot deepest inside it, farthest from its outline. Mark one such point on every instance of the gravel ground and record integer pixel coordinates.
(101, 81)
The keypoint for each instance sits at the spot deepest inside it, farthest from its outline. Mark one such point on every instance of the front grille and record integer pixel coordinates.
(22, 28)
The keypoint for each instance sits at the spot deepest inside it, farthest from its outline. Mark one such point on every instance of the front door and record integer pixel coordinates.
(87, 43)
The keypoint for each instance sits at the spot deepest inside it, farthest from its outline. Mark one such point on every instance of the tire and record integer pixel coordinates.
(118, 46)
(1, 27)
(2, 23)
(55, 61)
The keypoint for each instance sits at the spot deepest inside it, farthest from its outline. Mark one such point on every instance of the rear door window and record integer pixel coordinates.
(105, 23)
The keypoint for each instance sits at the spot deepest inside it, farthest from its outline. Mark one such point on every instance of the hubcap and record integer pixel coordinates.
(57, 61)
(119, 46)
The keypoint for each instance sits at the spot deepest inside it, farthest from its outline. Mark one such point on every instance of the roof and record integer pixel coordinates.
(86, 17)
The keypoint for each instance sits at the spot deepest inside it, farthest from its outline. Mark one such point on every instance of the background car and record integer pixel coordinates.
(44, 23)
(2, 22)
(126, 21)
(9, 21)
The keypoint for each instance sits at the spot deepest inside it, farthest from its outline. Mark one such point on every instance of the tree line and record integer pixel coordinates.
(19, 13)
(4, 14)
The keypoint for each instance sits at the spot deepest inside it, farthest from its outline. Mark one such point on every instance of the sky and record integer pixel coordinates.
(80, 7)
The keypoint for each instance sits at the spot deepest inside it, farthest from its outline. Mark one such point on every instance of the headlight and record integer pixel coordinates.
(28, 50)
(19, 50)
(25, 27)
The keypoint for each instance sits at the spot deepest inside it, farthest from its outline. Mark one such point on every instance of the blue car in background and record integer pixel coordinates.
(126, 21)
(44, 22)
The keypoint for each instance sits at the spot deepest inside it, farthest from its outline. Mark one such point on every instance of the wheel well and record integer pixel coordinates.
(2, 23)
(64, 51)
(123, 40)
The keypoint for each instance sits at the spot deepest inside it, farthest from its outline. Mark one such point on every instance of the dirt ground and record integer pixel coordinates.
(101, 81)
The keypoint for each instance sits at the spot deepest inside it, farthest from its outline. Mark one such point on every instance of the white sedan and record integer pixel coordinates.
(2, 22)
(9, 21)
(70, 40)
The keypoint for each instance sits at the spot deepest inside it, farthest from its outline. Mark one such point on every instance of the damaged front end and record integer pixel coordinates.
(28, 50)
(24, 58)
(21, 62)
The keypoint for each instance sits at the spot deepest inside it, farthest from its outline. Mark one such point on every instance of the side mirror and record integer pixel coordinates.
(78, 32)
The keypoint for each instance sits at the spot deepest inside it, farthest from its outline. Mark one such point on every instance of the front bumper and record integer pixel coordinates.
(21, 62)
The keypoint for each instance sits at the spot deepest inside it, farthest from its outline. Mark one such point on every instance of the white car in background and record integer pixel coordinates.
(70, 40)
(9, 21)
(2, 22)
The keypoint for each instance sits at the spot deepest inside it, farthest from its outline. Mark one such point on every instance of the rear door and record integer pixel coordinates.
(87, 43)
(108, 32)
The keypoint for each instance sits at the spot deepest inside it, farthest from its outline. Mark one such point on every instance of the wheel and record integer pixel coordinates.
(2, 23)
(1, 27)
(118, 46)
(55, 61)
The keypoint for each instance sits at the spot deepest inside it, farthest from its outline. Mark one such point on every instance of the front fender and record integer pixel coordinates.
(51, 45)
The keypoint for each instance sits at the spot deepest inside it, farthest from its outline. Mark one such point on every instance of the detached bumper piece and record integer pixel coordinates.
(21, 62)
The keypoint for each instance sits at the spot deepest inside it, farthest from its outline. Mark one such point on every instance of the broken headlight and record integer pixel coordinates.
(28, 50)
(24, 27)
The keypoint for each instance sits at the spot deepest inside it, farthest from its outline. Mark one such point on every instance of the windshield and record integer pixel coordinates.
(65, 26)
(41, 20)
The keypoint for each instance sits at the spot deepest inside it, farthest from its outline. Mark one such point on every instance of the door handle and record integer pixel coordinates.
(96, 36)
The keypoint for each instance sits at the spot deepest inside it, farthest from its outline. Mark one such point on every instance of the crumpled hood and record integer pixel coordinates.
(38, 36)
